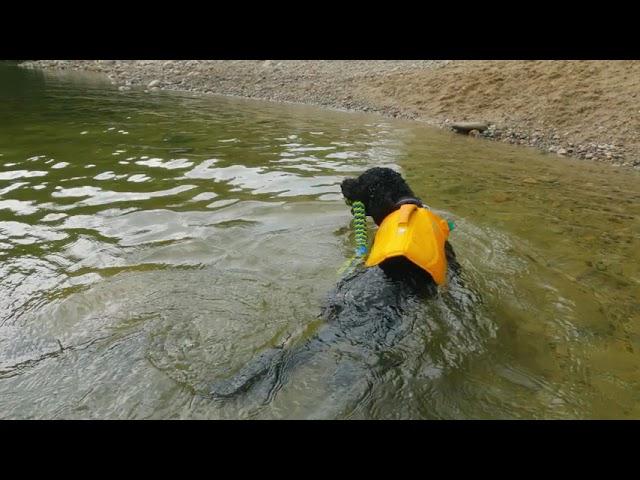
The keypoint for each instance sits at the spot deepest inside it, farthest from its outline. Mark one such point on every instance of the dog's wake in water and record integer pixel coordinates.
(371, 325)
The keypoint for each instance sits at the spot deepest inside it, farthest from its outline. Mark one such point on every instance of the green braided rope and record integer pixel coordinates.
(360, 227)
(362, 241)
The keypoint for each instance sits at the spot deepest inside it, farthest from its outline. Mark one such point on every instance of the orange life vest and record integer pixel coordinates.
(415, 233)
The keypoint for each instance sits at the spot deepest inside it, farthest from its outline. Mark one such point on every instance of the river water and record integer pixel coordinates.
(152, 243)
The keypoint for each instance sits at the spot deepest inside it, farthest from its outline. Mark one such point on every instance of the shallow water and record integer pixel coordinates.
(153, 243)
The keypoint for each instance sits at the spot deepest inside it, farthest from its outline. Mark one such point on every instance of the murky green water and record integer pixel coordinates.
(151, 243)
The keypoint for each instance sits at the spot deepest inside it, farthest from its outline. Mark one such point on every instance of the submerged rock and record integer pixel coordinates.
(501, 197)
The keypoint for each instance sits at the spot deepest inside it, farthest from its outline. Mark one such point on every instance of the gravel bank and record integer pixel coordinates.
(582, 109)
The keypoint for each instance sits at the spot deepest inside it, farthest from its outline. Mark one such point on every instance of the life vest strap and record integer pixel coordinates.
(405, 212)
(409, 201)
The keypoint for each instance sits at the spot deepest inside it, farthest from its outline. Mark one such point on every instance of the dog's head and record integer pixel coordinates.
(379, 189)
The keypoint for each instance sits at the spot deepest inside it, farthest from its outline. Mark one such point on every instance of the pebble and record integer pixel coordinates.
(501, 197)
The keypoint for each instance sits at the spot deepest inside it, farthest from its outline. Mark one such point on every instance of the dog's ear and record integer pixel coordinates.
(351, 189)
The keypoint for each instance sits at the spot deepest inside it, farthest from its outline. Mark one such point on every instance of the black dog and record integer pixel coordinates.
(382, 190)
(368, 313)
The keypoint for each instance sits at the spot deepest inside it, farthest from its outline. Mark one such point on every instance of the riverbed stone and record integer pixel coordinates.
(466, 127)
(501, 197)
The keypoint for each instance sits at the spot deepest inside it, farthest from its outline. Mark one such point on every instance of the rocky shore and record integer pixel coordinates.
(583, 109)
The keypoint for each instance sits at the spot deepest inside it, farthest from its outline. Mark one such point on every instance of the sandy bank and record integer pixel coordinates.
(582, 109)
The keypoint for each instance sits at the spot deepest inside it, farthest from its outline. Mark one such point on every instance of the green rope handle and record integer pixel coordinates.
(360, 227)
(362, 241)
